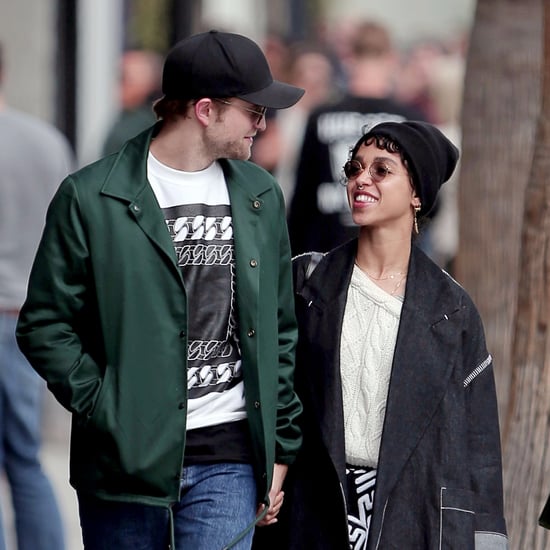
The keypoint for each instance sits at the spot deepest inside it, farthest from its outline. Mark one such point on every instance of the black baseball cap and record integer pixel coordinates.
(220, 64)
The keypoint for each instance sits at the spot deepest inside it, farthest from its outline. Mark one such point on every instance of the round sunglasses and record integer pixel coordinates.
(378, 170)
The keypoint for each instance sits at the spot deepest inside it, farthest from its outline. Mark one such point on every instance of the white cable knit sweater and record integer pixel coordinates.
(369, 333)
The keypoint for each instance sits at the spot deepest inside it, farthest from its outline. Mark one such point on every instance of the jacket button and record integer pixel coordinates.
(182, 334)
(135, 208)
(181, 406)
(253, 263)
(256, 404)
(251, 333)
(256, 204)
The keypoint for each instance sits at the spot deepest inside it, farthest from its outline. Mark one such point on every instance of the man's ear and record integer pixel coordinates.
(204, 110)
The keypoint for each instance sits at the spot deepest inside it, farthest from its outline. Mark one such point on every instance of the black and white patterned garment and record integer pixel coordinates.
(361, 483)
(197, 211)
(203, 240)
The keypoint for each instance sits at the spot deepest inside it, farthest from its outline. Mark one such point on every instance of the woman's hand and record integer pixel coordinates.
(276, 496)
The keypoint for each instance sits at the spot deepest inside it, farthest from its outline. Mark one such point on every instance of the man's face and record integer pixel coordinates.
(235, 125)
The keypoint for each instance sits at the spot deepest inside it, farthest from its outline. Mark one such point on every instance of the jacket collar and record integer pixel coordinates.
(428, 296)
(328, 284)
(127, 178)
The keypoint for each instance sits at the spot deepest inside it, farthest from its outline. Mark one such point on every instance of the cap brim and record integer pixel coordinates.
(277, 95)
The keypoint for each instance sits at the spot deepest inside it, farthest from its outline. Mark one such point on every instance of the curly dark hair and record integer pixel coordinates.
(384, 144)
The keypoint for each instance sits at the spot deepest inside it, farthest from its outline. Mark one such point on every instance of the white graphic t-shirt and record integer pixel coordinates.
(197, 211)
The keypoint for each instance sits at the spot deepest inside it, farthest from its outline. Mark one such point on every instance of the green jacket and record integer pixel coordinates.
(105, 324)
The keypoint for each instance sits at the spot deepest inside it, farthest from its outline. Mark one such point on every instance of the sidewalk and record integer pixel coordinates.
(55, 456)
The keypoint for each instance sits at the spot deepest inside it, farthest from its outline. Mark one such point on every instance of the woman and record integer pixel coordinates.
(401, 438)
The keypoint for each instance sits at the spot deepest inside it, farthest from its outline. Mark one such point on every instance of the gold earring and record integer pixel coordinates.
(417, 209)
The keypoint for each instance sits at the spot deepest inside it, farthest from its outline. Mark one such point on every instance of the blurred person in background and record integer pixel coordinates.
(412, 85)
(439, 239)
(160, 311)
(335, 38)
(319, 217)
(34, 158)
(139, 86)
(267, 145)
(309, 68)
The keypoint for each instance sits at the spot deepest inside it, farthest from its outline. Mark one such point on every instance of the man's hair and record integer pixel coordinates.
(370, 39)
(170, 109)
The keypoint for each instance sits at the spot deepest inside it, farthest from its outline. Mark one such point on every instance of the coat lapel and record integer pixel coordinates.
(421, 369)
(127, 181)
(325, 293)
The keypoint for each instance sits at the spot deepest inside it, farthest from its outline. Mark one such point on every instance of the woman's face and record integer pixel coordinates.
(379, 189)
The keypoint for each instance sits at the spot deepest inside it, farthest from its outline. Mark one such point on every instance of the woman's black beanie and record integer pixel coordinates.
(431, 156)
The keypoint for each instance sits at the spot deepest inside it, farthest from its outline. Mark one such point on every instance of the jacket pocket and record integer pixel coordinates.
(457, 520)
(94, 418)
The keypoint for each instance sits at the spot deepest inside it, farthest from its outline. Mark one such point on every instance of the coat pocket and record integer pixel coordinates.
(457, 519)
(94, 419)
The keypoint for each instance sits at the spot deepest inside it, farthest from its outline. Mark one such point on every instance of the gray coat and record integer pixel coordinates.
(439, 479)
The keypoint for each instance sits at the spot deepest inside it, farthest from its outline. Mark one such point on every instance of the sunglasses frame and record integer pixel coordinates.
(377, 176)
(260, 114)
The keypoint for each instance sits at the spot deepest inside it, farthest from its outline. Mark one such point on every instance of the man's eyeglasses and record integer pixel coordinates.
(259, 113)
(378, 170)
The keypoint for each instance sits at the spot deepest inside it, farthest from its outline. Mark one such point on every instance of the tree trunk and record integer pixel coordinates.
(527, 449)
(501, 104)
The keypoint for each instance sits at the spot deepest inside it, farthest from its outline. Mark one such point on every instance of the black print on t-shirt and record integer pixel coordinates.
(203, 241)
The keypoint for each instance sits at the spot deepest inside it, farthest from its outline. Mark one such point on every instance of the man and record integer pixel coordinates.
(34, 158)
(140, 76)
(319, 217)
(160, 311)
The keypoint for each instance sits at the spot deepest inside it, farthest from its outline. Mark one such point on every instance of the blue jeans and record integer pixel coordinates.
(37, 518)
(218, 502)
